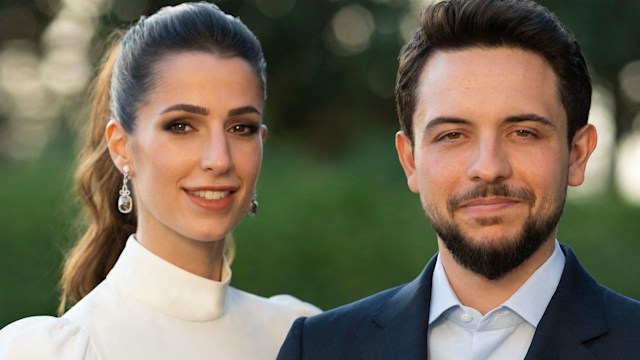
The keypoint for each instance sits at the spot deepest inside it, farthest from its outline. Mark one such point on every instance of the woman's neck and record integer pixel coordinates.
(202, 258)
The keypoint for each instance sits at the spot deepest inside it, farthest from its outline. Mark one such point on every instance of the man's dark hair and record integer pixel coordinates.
(522, 24)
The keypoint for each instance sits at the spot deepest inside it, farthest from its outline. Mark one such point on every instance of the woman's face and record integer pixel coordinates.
(196, 149)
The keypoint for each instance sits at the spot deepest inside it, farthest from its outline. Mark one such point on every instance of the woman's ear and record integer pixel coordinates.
(582, 146)
(263, 132)
(117, 139)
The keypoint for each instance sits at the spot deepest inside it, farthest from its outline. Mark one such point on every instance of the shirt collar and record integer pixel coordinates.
(442, 296)
(166, 287)
(541, 285)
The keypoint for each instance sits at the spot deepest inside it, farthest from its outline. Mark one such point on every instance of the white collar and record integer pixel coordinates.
(541, 285)
(167, 287)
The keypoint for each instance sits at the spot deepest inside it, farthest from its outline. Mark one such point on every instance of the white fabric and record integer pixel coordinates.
(148, 308)
(458, 332)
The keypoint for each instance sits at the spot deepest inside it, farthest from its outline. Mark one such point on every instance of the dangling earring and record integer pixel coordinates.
(253, 206)
(125, 203)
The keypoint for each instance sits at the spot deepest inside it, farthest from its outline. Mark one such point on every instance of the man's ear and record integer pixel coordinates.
(582, 145)
(405, 154)
(117, 139)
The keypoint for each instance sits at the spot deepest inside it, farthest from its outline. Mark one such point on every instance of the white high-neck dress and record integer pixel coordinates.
(148, 308)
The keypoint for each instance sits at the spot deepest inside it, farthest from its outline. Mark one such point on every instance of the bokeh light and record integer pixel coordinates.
(36, 80)
(630, 80)
(275, 9)
(25, 101)
(408, 25)
(597, 176)
(628, 164)
(350, 30)
(19, 69)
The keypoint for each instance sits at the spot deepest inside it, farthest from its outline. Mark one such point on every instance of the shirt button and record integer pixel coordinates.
(466, 318)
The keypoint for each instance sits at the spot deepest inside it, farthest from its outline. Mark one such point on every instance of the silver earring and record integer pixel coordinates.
(125, 203)
(253, 206)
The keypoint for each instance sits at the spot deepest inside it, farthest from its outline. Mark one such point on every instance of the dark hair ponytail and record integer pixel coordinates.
(97, 180)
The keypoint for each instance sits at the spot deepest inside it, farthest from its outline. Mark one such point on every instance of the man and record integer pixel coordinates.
(493, 98)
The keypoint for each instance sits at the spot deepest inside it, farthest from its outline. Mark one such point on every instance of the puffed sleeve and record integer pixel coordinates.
(300, 307)
(44, 338)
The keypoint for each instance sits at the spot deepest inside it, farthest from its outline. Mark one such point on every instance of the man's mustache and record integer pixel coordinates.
(486, 190)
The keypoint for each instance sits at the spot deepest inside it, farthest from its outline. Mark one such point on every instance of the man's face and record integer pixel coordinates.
(490, 158)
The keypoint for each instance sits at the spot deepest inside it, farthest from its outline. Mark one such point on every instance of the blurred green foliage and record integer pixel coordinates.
(329, 232)
(36, 215)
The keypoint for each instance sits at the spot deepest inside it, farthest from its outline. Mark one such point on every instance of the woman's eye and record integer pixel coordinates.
(179, 128)
(243, 129)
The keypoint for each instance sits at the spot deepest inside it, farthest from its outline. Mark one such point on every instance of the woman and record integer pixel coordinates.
(175, 175)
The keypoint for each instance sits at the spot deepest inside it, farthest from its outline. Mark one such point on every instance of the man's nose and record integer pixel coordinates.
(489, 162)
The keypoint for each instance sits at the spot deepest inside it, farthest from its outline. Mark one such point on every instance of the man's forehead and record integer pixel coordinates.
(499, 81)
(468, 63)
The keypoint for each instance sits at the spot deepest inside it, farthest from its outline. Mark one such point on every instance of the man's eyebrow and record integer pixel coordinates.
(195, 109)
(244, 110)
(440, 120)
(530, 117)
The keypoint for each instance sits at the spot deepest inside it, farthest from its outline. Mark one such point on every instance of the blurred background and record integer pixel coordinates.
(336, 219)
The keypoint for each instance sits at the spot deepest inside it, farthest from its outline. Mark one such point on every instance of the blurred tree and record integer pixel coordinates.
(609, 33)
(24, 20)
(332, 63)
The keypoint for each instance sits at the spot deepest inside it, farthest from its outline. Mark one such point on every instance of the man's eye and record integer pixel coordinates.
(523, 133)
(452, 136)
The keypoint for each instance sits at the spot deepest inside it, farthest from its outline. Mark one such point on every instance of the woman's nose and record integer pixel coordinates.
(216, 155)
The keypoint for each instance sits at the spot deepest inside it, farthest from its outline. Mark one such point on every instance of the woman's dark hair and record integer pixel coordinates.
(187, 27)
(124, 81)
(523, 24)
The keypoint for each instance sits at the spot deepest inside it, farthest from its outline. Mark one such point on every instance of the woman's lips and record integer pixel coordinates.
(211, 199)
(210, 194)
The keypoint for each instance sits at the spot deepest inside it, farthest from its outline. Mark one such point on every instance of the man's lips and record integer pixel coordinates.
(490, 204)
(488, 201)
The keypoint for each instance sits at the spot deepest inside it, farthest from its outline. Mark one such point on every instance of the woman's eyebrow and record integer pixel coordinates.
(195, 109)
(244, 110)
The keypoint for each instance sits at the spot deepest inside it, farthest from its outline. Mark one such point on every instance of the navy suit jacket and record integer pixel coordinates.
(583, 321)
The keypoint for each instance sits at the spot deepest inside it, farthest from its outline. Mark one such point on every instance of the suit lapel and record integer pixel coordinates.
(574, 316)
(398, 328)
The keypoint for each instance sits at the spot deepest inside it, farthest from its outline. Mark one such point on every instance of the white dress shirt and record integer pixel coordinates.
(147, 308)
(458, 332)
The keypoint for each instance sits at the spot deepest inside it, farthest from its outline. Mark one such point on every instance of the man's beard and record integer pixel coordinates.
(495, 261)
